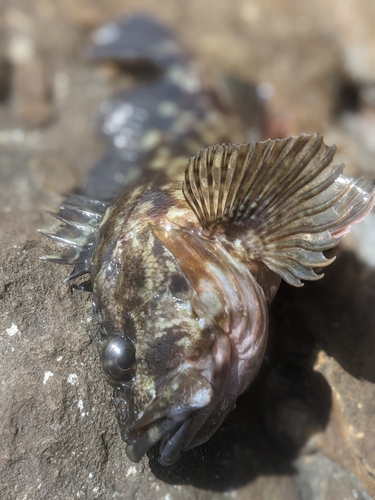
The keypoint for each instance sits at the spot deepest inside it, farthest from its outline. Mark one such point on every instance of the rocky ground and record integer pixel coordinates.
(306, 428)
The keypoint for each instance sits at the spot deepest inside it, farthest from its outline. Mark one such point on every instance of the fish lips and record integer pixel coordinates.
(180, 395)
(171, 435)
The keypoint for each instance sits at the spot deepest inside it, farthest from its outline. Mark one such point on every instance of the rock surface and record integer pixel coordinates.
(305, 429)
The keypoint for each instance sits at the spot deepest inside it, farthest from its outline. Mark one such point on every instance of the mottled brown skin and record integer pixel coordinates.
(154, 285)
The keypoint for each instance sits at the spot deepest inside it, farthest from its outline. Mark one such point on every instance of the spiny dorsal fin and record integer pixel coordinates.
(82, 217)
(284, 199)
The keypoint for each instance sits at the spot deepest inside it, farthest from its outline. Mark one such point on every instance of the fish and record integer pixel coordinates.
(187, 235)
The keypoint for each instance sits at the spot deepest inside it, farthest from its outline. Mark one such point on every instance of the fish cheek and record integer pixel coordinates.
(164, 356)
(174, 333)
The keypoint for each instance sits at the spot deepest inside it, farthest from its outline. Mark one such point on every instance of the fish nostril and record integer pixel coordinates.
(180, 287)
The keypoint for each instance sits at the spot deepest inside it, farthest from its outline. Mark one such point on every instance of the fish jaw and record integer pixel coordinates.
(182, 394)
(186, 399)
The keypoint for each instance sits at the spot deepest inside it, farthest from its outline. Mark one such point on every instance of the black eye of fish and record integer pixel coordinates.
(117, 357)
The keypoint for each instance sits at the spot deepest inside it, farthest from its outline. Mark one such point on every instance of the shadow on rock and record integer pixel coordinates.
(263, 435)
(235, 455)
(289, 402)
(339, 312)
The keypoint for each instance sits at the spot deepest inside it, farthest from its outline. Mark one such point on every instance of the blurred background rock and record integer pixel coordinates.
(306, 429)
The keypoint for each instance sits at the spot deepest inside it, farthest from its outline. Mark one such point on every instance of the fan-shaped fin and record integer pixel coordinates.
(283, 199)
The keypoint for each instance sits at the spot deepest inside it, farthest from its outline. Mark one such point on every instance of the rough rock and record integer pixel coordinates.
(305, 429)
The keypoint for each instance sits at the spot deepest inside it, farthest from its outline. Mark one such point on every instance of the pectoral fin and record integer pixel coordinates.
(284, 199)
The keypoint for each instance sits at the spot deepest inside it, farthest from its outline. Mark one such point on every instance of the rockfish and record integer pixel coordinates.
(186, 236)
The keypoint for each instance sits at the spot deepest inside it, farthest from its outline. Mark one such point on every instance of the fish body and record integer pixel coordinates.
(185, 255)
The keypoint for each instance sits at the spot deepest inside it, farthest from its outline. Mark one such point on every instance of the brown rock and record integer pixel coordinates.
(337, 315)
(349, 438)
(320, 478)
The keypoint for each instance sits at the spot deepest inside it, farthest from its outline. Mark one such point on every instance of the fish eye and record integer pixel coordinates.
(117, 357)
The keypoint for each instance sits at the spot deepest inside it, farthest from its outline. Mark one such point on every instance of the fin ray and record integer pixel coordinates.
(81, 218)
(284, 198)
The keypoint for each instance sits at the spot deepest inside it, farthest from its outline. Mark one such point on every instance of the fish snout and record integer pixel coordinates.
(180, 395)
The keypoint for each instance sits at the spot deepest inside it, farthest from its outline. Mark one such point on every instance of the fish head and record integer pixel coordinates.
(192, 332)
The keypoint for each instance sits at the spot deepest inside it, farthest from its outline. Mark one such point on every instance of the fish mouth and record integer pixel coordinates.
(168, 418)
(171, 435)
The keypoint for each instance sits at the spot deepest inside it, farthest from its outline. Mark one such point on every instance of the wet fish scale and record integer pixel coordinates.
(184, 255)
